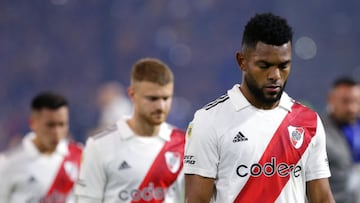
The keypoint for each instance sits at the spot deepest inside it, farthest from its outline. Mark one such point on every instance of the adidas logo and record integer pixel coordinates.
(239, 137)
(124, 165)
(31, 179)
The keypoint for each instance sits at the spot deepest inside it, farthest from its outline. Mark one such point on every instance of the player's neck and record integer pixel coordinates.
(143, 128)
(254, 101)
(42, 149)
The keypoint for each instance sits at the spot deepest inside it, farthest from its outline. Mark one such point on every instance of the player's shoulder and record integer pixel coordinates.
(178, 134)
(172, 130)
(303, 107)
(104, 134)
(15, 156)
(104, 140)
(75, 146)
(216, 103)
(175, 130)
(290, 103)
(215, 109)
(304, 113)
(17, 151)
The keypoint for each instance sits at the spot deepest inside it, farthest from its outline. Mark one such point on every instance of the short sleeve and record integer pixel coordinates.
(92, 176)
(317, 163)
(201, 148)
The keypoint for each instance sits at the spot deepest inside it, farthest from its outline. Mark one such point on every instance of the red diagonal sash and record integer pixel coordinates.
(62, 184)
(159, 174)
(267, 189)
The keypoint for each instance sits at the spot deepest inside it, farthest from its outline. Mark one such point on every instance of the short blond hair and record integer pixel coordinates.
(151, 70)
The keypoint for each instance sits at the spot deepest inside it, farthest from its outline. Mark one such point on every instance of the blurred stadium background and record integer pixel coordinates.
(74, 47)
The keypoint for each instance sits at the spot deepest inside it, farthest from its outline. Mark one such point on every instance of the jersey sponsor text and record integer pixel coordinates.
(148, 193)
(269, 169)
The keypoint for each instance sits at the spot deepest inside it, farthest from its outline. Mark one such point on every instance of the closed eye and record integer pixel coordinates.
(153, 98)
(264, 65)
(284, 65)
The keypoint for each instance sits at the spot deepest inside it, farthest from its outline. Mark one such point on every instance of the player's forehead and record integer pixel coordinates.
(147, 88)
(47, 113)
(263, 51)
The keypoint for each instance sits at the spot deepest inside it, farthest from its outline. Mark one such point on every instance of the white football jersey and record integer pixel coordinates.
(119, 166)
(29, 176)
(256, 155)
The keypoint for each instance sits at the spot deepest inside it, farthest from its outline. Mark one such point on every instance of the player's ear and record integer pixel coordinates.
(240, 58)
(131, 93)
(32, 121)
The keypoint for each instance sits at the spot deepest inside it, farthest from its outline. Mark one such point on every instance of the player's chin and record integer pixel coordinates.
(273, 98)
(159, 120)
(51, 145)
(54, 142)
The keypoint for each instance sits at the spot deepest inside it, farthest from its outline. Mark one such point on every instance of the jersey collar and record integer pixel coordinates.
(30, 147)
(240, 102)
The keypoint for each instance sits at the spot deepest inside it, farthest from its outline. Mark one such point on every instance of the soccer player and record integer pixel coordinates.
(255, 143)
(139, 159)
(44, 167)
(342, 127)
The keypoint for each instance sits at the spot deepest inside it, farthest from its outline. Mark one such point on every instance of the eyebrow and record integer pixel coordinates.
(156, 97)
(271, 64)
(285, 62)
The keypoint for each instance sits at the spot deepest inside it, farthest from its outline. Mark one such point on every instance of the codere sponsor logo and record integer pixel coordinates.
(269, 169)
(147, 194)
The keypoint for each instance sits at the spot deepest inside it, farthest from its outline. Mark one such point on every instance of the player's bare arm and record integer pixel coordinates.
(318, 191)
(198, 189)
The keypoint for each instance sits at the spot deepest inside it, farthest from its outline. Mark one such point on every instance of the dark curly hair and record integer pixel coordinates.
(267, 28)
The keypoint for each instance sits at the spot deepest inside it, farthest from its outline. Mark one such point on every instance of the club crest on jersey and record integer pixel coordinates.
(173, 161)
(296, 136)
(71, 170)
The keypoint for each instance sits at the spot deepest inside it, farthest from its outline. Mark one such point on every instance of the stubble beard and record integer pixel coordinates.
(153, 121)
(259, 93)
